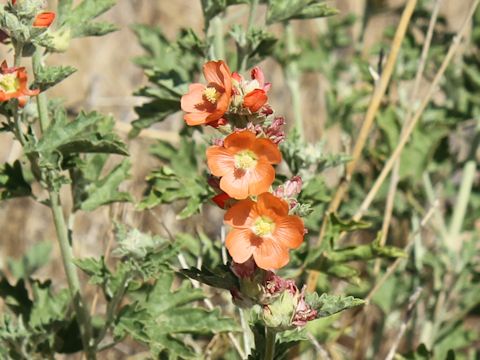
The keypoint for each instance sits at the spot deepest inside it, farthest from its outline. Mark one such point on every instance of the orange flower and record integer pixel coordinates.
(244, 163)
(264, 230)
(255, 100)
(44, 19)
(13, 84)
(205, 104)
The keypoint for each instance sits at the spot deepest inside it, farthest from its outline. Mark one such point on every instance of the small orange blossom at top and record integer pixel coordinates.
(205, 104)
(44, 19)
(13, 84)
(244, 163)
(264, 230)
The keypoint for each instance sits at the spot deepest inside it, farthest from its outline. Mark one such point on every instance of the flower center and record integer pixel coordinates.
(211, 94)
(263, 226)
(245, 160)
(9, 82)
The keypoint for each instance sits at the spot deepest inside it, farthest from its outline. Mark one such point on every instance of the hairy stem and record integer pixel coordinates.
(218, 38)
(42, 102)
(112, 306)
(83, 317)
(270, 344)
(293, 83)
(61, 228)
(243, 48)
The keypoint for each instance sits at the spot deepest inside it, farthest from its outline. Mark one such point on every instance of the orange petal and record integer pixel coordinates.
(198, 118)
(220, 161)
(289, 231)
(255, 99)
(222, 105)
(268, 203)
(240, 214)
(242, 140)
(235, 183)
(260, 178)
(240, 245)
(44, 19)
(194, 97)
(269, 255)
(267, 149)
(219, 73)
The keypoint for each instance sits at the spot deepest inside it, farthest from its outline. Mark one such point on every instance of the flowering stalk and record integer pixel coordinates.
(61, 228)
(263, 220)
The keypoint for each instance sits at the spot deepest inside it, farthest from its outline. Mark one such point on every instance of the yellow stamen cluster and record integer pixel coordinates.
(245, 160)
(263, 226)
(9, 82)
(211, 94)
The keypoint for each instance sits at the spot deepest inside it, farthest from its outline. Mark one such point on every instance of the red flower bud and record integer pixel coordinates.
(44, 19)
(255, 99)
(221, 200)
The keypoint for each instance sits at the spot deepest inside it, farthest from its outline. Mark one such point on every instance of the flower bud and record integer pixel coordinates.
(278, 315)
(59, 40)
(44, 19)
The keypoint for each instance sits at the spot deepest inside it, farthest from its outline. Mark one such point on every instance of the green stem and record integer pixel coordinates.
(17, 56)
(243, 48)
(218, 38)
(42, 102)
(461, 205)
(293, 83)
(251, 15)
(61, 228)
(270, 344)
(112, 306)
(83, 317)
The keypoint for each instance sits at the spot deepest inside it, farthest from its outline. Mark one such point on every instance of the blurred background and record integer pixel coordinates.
(106, 80)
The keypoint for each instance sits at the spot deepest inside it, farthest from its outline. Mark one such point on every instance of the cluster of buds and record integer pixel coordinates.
(242, 163)
(23, 20)
(283, 305)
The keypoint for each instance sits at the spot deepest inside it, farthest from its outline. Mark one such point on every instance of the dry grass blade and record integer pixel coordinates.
(411, 123)
(374, 105)
(396, 169)
(368, 122)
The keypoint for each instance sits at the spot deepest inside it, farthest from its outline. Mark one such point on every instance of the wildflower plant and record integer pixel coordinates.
(268, 263)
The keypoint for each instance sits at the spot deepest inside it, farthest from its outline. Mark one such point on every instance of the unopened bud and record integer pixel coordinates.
(279, 314)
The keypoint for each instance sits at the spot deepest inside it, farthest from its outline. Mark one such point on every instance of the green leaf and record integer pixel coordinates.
(104, 191)
(161, 316)
(327, 305)
(221, 277)
(336, 226)
(80, 18)
(48, 307)
(12, 182)
(88, 133)
(37, 256)
(211, 8)
(96, 269)
(16, 298)
(179, 179)
(95, 143)
(46, 77)
(283, 10)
